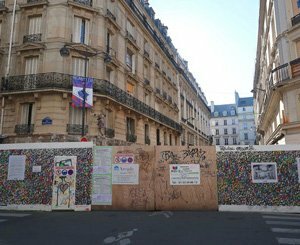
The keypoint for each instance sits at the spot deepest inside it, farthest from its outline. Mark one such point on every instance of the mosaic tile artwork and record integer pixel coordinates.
(36, 188)
(235, 186)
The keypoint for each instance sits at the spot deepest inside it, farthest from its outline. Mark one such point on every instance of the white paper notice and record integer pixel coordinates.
(16, 167)
(184, 174)
(125, 174)
(102, 179)
(36, 169)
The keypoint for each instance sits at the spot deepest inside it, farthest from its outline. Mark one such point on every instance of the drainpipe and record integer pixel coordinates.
(8, 63)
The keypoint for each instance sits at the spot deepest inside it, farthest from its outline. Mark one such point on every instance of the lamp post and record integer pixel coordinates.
(65, 51)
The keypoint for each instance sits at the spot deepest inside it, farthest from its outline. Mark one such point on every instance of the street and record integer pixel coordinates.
(165, 227)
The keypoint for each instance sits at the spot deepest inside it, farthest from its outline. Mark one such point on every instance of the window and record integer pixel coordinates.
(224, 113)
(130, 123)
(130, 62)
(31, 65)
(80, 30)
(0, 30)
(234, 141)
(226, 141)
(217, 131)
(216, 114)
(78, 66)
(246, 136)
(225, 122)
(130, 28)
(109, 121)
(147, 99)
(27, 113)
(217, 141)
(110, 74)
(225, 131)
(130, 88)
(245, 125)
(232, 112)
(158, 137)
(147, 138)
(165, 138)
(217, 123)
(35, 25)
(244, 109)
(233, 121)
(233, 131)
(170, 139)
(108, 41)
(75, 115)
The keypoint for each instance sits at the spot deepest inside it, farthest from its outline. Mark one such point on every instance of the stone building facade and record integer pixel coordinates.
(276, 85)
(143, 91)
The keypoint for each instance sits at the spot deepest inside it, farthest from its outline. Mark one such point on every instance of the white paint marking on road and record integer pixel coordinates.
(167, 214)
(3, 220)
(281, 217)
(282, 223)
(288, 240)
(13, 215)
(285, 230)
(122, 237)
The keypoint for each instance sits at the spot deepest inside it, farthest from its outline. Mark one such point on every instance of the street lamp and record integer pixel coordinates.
(87, 53)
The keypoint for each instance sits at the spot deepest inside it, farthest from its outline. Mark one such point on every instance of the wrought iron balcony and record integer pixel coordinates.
(146, 54)
(146, 81)
(2, 4)
(35, 1)
(157, 65)
(130, 37)
(280, 74)
(165, 95)
(24, 129)
(131, 138)
(110, 15)
(85, 2)
(295, 20)
(32, 38)
(157, 90)
(46, 81)
(169, 99)
(109, 132)
(76, 128)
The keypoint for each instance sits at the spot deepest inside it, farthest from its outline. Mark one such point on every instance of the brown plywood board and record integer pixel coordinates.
(134, 197)
(186, 197)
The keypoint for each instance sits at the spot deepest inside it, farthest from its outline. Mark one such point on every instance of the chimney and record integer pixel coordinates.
(212, 106)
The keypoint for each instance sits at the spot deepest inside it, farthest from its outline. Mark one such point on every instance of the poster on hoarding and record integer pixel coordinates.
(125, 174)
(184, 174)
(16, 167)
(102, 179)
(264, 172)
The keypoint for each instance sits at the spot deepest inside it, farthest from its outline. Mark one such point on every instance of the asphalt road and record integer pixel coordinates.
(123, 228)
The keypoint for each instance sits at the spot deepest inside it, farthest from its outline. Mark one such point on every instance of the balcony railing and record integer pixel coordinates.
(130, 37)
(32, 38)
(109, 132)
(131, 138)
(24, 129)
(146, 81)
(35, 1)
(110, 15)
(280, 74)
(295, 20)
(102, 87)
(76, 129)
(85, 2)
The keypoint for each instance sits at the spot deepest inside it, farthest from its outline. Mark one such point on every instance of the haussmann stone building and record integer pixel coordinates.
(143, 91)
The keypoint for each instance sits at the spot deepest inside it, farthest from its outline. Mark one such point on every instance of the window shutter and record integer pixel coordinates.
(76, 29)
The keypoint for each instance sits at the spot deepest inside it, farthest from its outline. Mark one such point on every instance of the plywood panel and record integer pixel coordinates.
(135, 197)
(186, 197)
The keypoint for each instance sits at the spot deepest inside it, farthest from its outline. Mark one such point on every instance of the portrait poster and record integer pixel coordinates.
(265, 172)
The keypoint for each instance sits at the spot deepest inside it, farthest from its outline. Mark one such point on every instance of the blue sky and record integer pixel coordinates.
(218, 39)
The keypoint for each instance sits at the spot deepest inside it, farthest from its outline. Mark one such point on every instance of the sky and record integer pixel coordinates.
(218, 39)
